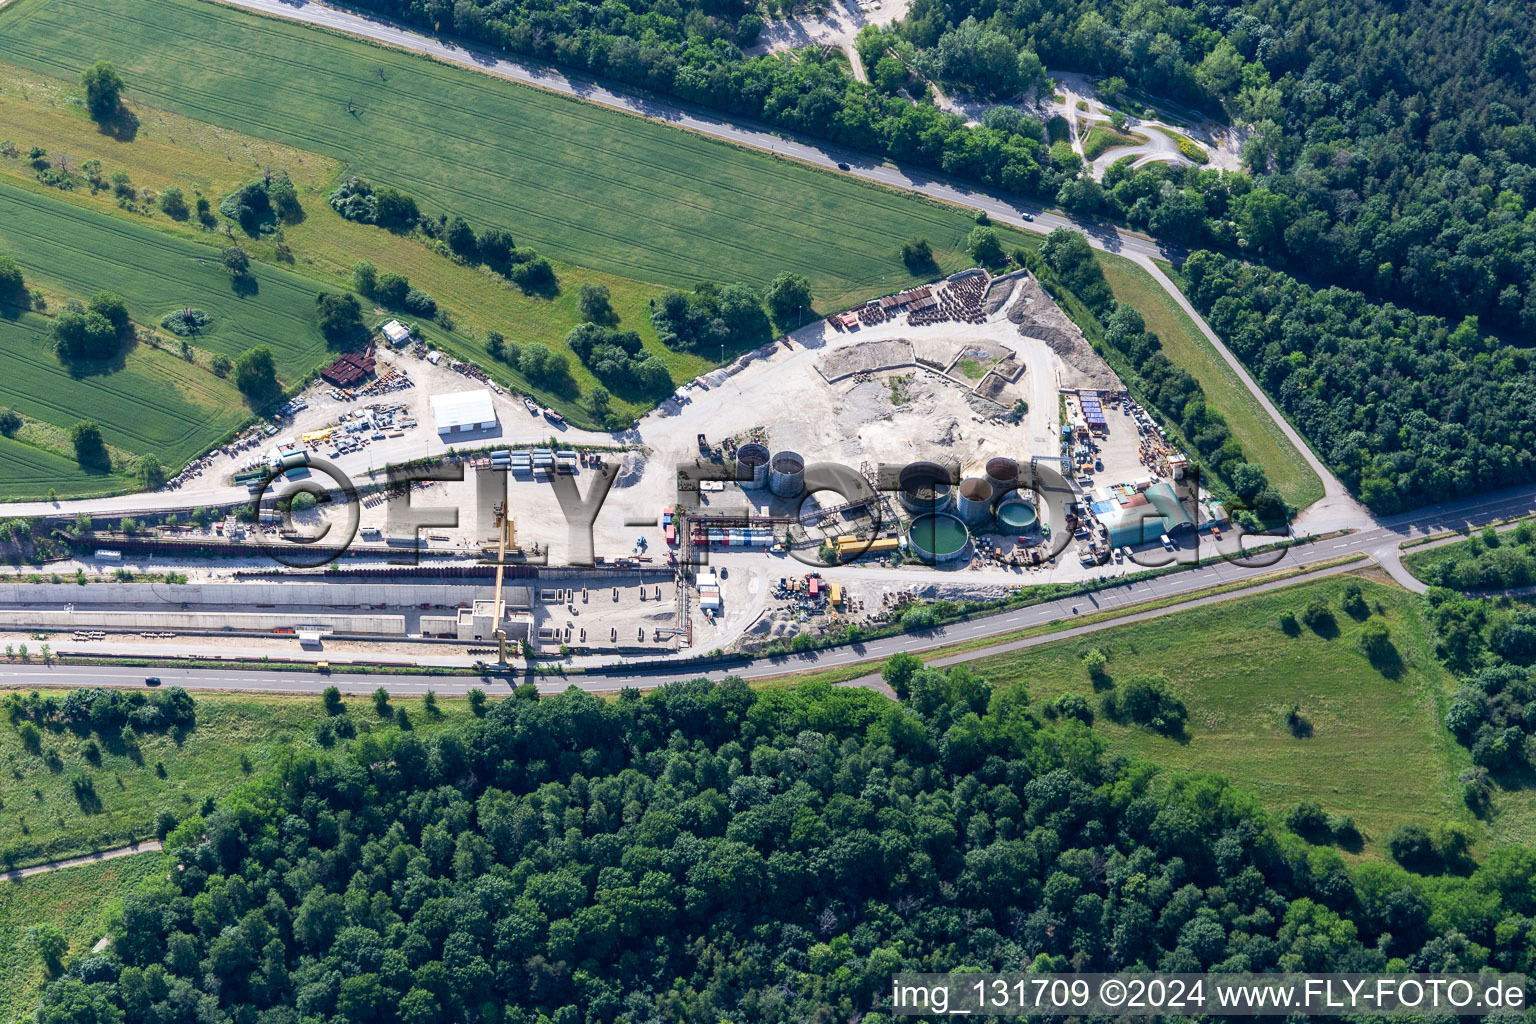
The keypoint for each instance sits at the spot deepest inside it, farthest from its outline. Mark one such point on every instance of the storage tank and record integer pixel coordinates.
(925, 488)
(752, 465)
(938, 538)
(787, 477)
(1017, 516)
(1002, 474)
(974, 506)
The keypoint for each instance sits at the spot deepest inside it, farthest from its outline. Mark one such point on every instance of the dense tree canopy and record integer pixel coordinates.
(1407, 409)
(12, 285)
(341, 318)
(710, 853)
(103, 90)
(618, 359)
(730, 315)
(91, 331)
(256, 377)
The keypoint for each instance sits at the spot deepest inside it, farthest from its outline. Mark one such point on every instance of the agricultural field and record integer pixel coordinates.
(586, 185)
(27, 471)
(202, 160)
(1378, 751)
(77, 902)
(1183, 343)
(78, 252)
(41, 819)
(148, 401)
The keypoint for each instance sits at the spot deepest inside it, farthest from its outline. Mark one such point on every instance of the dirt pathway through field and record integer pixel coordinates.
(149, 846)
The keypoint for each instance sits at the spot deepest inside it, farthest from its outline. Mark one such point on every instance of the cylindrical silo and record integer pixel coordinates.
(974, 505)
(752, 465)
(1016, 516)
(938, 538)
(787, 477)
(1002, 474)
(925, 487)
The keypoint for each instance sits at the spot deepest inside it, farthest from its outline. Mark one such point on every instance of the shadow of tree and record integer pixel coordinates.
(82, 369)
(122, 126)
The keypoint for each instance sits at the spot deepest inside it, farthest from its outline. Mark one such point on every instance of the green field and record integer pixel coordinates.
(148, 401)
(40, 819)
(152, 402)
(1262, 441)
(79, 252)
(588, 185)
(76, 901)
(26, 471)
(1102, 137)
(1378, 751)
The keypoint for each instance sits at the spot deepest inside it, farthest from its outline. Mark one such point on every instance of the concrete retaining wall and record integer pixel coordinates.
(372, 625)
(246, 595)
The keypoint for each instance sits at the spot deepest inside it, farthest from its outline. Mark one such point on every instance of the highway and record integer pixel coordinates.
(1379, 542)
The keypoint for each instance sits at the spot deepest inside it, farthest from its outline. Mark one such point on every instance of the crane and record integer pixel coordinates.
(506, 536)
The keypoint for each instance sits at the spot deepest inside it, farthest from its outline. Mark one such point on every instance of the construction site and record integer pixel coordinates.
(958, 440)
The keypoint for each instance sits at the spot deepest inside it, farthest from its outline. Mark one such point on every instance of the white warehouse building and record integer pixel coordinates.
(463, 412)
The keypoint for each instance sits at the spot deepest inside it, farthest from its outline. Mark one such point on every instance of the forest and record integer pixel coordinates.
(710, 852)
(1392, 148)
(1491, 645)
(1405, 408)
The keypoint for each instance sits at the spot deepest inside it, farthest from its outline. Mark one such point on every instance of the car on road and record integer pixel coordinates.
(1029, 216)
(151, 680)
(844, 167)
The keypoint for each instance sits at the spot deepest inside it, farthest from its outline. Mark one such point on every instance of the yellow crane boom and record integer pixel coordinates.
(504, 535)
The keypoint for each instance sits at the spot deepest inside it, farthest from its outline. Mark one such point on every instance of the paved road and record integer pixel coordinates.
(680, 115)
(1379, 542)
(149, 846)
(1378, 538)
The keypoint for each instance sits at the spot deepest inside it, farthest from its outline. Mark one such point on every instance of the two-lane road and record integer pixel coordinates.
(1378, 542)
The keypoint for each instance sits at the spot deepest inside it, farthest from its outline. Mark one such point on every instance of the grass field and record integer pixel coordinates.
(1262, 441)
(1378, 751)
(77, 902)
(151, 402)
(26, 471)
(1102, 137)
(40, 819)
(168, 149)
(587, 185)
